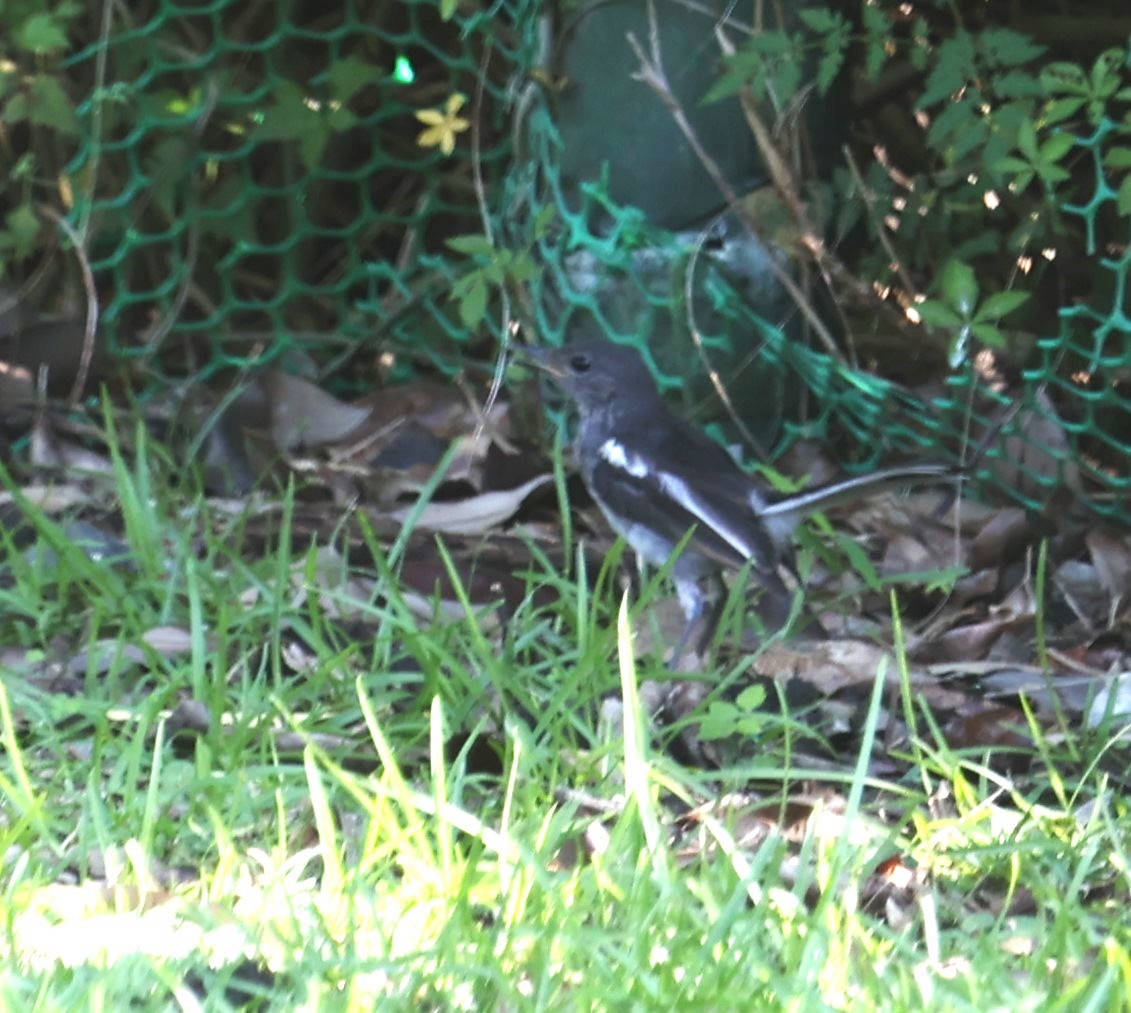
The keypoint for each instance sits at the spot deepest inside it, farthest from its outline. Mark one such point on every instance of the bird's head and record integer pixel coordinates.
(597, 374)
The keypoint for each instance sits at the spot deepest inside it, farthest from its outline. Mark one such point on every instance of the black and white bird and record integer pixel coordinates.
(656, 478)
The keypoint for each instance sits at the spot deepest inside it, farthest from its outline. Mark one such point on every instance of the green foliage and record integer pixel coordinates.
(959, 311)
(742, 717)
(1010, 143)
(494, 268)
(294, 117)
(776, 62)
(38, 117)
(1013, 139)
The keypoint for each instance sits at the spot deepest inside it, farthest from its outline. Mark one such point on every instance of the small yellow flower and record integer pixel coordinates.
(443, 125)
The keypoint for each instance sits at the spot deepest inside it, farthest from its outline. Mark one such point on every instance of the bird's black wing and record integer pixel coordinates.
(672, 478)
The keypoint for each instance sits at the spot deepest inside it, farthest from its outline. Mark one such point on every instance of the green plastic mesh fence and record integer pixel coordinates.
(253, 178)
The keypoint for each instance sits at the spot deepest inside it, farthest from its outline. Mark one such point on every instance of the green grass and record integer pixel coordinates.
(320, 799)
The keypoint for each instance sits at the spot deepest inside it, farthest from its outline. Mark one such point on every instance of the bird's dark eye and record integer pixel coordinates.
(580, 364)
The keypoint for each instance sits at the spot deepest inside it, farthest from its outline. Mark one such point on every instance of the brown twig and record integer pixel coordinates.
(712, 373)
(91, 303)
(485, 218)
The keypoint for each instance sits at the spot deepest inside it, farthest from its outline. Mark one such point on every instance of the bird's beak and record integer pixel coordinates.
(544, 358)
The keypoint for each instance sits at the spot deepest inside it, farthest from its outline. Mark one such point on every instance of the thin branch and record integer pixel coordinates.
(91, 303)
(485, 219)
(712, 373)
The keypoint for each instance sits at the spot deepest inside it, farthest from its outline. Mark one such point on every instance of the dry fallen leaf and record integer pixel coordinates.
(1002, 539)
(1111, 556)
(475, 515)
(49, 499)
(1036, 449)
(302, 414)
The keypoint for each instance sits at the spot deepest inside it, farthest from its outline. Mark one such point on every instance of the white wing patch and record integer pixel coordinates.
(679, 491)
(618, 457)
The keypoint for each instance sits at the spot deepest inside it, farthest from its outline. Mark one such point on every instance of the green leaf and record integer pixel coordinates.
(820, 19)
(856, 555)
(1064, 78)
(1057, 146)
(829, 67)
(999, 305)
(968, 140)
(1027, 140)
(48, 105)
(340, 118)
(954, 67)
(1124, 199)
(1105, 73)
(1011, 164)
(720, 720)
(1017, 84)
(1060, 109)
(990, 335)
(448, 9)
(543, 220)
(785, 78)
(1004, 47)
(472, 245)
(524, 269)
(953, 121)
(312, 143)
(23, 168)
(959, 286)
(751, 698)
(461, 286)
(937, 314)
(288, 119)
(41, 33)
(349, 75)
(774, 42)
(15, 110)
(473, 306)
(1118, 158)
(731, 82)
(22, 226)
(876, 30)
(291, 119)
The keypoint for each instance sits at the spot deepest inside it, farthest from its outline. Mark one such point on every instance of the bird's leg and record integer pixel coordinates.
(718, 603)
(702, 613)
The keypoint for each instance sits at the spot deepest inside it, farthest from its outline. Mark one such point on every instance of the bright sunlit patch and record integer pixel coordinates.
(403, 72)
(14, 371)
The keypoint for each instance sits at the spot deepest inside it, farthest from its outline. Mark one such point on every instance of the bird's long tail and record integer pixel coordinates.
(783, 515)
